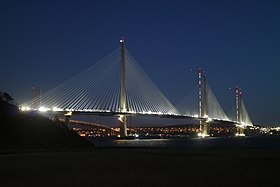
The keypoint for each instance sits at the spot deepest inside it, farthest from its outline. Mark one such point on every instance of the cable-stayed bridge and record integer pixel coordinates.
(117, 86)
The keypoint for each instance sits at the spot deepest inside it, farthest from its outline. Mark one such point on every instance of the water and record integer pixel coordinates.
(194, 143)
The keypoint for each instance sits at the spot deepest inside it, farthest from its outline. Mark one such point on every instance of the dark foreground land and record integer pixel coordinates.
(141, 167)
(35, 151)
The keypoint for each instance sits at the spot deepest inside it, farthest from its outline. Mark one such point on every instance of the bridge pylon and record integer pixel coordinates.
(238, 113)
(122, 118)
(204, 128)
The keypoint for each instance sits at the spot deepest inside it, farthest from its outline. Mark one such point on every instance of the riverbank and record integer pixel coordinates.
(141, 167)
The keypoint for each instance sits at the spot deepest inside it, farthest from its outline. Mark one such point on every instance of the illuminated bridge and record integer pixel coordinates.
(117, 86)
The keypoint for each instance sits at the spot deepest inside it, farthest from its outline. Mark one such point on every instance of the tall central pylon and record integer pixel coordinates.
(122, 118)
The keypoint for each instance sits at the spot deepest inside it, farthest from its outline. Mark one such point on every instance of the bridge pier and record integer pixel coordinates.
(123, 127)
(58, 118)
(67, 120)
(206, 128)
(240, 131)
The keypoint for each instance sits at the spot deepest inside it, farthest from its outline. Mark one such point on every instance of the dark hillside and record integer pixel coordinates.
(33, 130)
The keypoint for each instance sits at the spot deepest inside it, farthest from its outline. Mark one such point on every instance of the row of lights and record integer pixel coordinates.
(41, 109)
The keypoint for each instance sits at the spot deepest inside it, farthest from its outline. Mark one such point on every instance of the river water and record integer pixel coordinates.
(194, 143)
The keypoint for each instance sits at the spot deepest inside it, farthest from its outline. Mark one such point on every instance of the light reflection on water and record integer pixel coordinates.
(193, 143)
(142, 143)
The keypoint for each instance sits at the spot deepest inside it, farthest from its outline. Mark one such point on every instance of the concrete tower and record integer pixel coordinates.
(122, 118)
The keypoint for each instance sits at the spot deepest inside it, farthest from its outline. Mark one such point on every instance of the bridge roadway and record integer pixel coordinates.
(144, 114)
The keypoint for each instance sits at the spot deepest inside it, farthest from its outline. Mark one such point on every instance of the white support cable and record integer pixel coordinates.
(97, 88)
(188, 105)
(150, 95)
(245, 115)
(215, 109)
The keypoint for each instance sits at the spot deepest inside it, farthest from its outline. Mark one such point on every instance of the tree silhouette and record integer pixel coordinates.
(7, 97)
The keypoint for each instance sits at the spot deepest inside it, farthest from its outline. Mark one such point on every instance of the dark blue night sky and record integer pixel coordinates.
(44, 43)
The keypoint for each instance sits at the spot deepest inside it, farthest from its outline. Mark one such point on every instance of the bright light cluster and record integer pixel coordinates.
(239, 135)
(157, 113)
(209, 120)
(55, 109)
(25, 108)
(203, 135)
(41, 109)
(121, 118)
